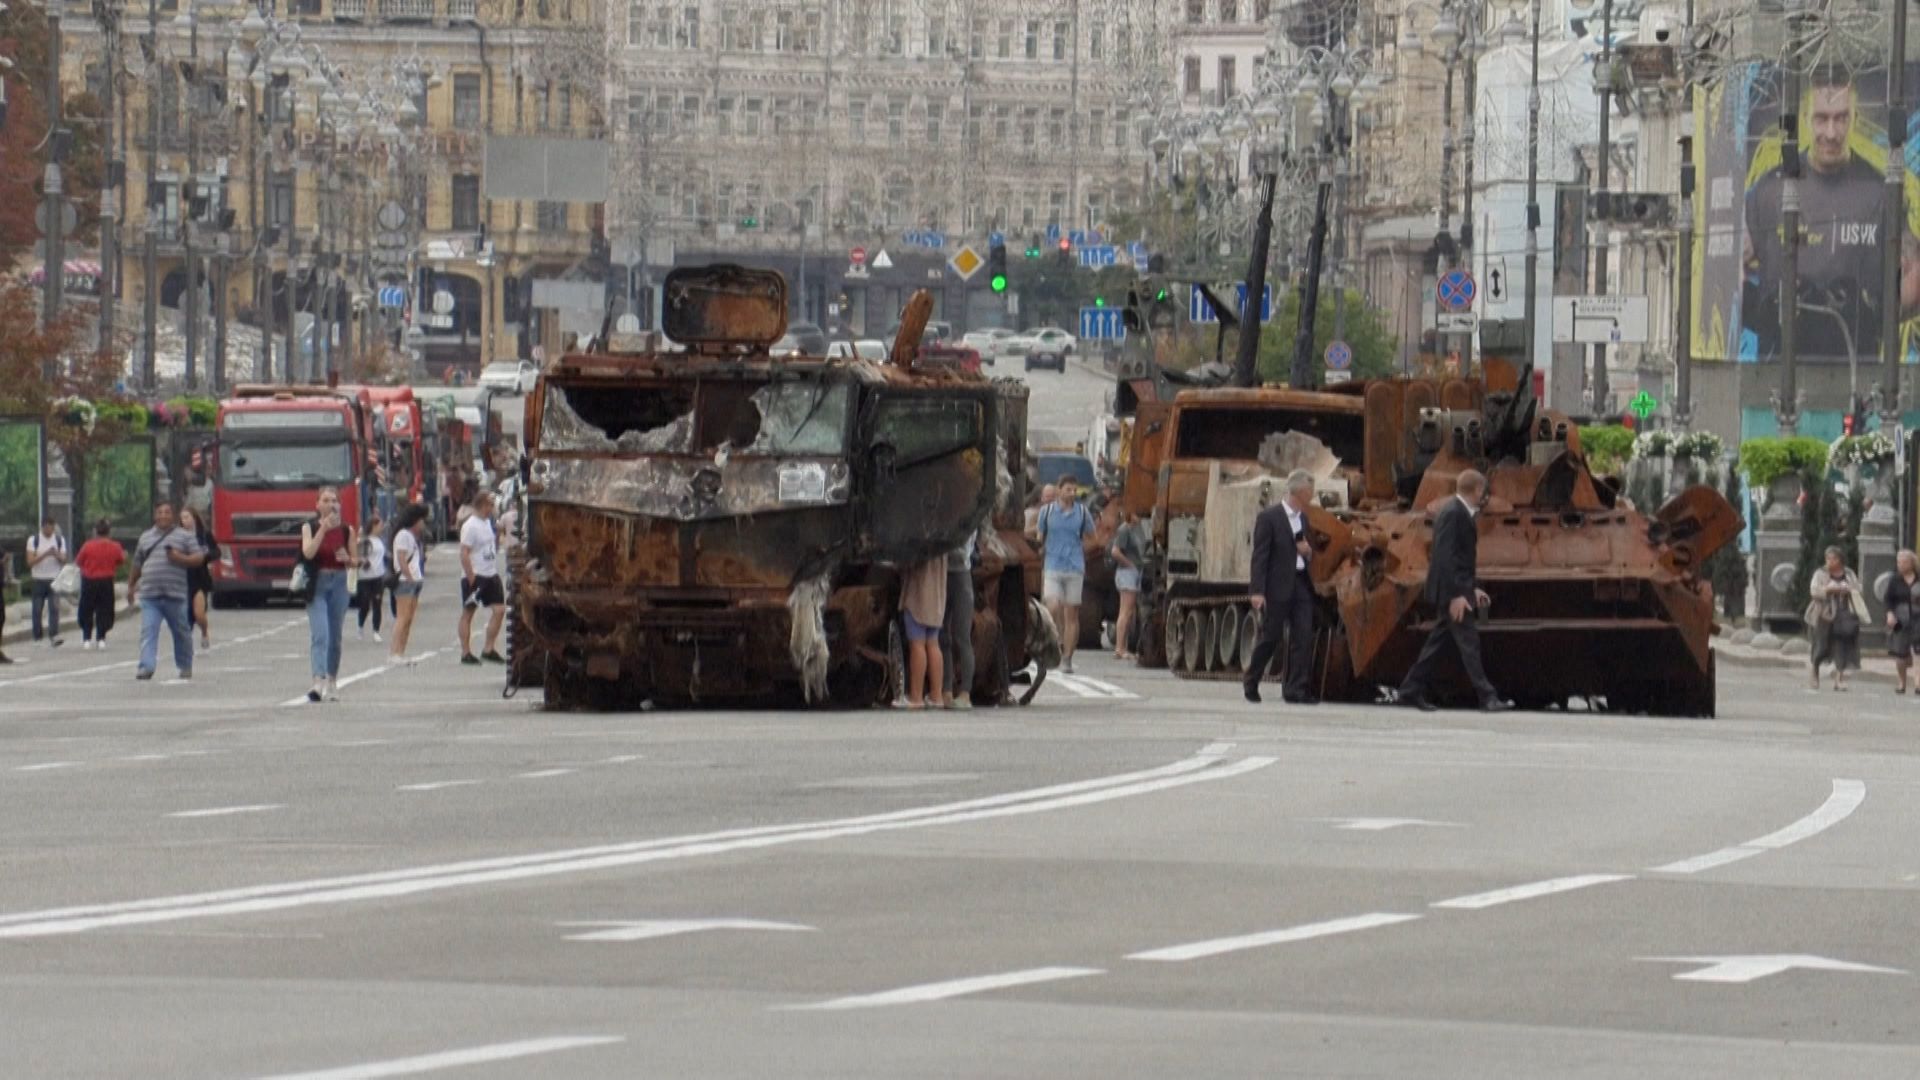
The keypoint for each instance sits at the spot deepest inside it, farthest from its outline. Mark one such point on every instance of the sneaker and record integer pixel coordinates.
(469, 658)
(492, 657)
(56, 643)
(143, 676)
(186, 674)
(961, 702)
(332, 690)
(313, 695)
(1067, 667)
(376, 637)
(5, 659)
(360, 634)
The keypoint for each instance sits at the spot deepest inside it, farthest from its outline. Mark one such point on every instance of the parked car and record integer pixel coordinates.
(865, 349)
(510, 376)
(1046, 353)
(810, 338)
(985, 343)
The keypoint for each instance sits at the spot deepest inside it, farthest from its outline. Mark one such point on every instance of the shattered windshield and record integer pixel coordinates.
(802, 418)
(618, 419)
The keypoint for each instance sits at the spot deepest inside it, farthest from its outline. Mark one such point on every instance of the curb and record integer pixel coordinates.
(1748, 658)
(20, 619)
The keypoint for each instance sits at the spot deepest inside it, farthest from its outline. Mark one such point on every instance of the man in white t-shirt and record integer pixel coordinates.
(480, 581)
(46, 554)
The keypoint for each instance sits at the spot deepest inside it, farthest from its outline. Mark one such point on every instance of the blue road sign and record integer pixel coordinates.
(1199, 311)
(1339, 356)
(1094, 258)
(1137, 251)
(1102, 324)
(393, 296)
(999, 238)
(1455, 291)
(1053, 233)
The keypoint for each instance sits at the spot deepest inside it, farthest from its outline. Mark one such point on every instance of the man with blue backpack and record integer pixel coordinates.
(1063, 527)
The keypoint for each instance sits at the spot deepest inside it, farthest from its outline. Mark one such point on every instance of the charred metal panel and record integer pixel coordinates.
(690, 489)
(724, 305)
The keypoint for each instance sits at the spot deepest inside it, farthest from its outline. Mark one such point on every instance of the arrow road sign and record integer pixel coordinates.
(1745, 969)
(1098, 256)
(393, 296)
(1102, 324)
(1455, 291)
(1497, 282)
(1600, 320)
(1199, 311)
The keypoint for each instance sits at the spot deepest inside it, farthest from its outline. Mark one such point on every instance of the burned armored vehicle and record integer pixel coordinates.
(717, 526)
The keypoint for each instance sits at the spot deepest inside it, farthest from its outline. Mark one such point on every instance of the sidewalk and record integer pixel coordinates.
(1791, 654)
(20, 618)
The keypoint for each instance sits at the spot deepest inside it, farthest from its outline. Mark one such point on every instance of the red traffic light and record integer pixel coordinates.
(1066, 245)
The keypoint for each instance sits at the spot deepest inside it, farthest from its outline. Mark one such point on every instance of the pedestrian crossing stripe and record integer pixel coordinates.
(1082, 686)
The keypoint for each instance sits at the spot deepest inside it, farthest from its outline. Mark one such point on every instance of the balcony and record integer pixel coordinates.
(354, 10)
(406, 10)
(463, 9)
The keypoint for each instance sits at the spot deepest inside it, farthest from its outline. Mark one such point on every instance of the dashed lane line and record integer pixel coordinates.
(426, 879)
(53, 676)
(1530, 891)
(228, 811)
(381, 669)
(453, 1059)
(952, 988)
(1201, 949)
(1846, 798)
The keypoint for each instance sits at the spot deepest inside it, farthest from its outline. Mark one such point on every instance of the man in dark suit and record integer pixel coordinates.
(1454, 595)
(1282, 592)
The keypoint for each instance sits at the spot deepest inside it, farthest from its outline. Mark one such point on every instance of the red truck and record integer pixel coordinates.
(399, 443)
(278, 446)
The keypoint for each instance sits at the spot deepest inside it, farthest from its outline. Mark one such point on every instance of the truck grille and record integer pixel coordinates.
(268, 526)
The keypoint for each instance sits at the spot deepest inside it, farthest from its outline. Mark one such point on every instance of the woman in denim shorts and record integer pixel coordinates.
(409, 567)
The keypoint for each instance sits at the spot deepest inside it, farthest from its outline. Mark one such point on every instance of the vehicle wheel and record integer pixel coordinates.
(1174, 638)
(1199, 634)
(526, 665)
(1227, 639)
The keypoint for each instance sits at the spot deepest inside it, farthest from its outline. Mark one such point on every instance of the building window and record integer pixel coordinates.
(1120, 130)
(1033, 39)
(1190, 81)
(783, 39)
(663, 113)
(662, 27)
(1226, 79)
(857, 121)
(689, 33)
(977, 46)
(857, 36)
(811, 42)
(1122, 42)
(1062, 36)
(280, 201)
(723, 116)
(1001, 131)
(1057, 128)
(936, 113)
(782, 116)
(1005, 45)
(636, 113)
(1196, 12)
(466, 102)
(542, 95)
(1026, 216)
(636, 23)
(1056, 206)
(897, 36)
(976, 116)
(1029, 120)
(690, 113)
(466, 203)
(936, 36)
(1096, 40)
(279, 103)
(1229, 11)
(1097, 129)
(897, 120)
(169, 86)
(551, 217)
(809, 116)
(750, 123)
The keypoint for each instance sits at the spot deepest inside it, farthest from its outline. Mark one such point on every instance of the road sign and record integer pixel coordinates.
(437, 322)
(858, 256)
(1053, 232)
(1497, 281)
(1102, 324)
(966, 262)
(1199, 311)
(393, 296)
(442, 302)
(883, 261)
(1600, 320)
(1339, 356)
(68, 217)
(1455, 291)
(1099, 256)
(996, 239)
(1643, 404)
(1457, 322)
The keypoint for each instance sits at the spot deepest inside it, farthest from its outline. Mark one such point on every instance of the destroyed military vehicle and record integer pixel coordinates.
(720, 526)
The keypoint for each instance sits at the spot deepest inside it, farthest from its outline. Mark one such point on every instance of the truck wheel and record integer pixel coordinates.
(526, 664)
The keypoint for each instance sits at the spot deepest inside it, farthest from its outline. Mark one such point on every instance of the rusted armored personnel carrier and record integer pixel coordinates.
(717, 526)
(1592, 598)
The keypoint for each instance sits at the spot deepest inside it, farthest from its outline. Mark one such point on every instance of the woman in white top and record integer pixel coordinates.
(373, 578)
(409, 567)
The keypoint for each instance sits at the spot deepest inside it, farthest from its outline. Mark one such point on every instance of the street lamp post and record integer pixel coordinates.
(1894, 224)
(1532, 300)
(1603, 85)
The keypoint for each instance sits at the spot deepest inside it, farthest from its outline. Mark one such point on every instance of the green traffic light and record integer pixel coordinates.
(1099, 301)
(1160, 297)
(999, 283)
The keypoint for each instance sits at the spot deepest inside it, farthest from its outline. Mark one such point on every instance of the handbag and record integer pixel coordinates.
(67, 581)
(301, 584)
(1846, 623)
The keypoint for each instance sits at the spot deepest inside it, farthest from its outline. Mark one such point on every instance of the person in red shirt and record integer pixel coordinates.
(99, 560)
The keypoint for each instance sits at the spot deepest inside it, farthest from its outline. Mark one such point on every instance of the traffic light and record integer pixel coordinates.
(1033, 246)
(1847, 425)
(1099, 301)
(997, 267)
(749, 222)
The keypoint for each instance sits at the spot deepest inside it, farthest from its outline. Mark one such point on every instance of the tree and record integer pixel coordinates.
(24, 38)
(1052, 291)
(1374, 346)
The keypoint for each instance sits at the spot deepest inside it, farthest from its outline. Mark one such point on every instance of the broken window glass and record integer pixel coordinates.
(921, 429)
(802, 418)
(618, 419)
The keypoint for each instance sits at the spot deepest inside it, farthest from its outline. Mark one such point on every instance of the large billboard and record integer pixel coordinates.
(1739, 264)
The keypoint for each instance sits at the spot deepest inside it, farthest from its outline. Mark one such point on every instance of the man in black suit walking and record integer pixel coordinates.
(1452, 591)
(1282, 592)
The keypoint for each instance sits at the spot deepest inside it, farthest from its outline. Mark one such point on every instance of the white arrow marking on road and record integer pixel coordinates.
(452, 1059)
(1382, 824)
(1745, 969)
(1846, 798)
(644, 929)
(940, 991)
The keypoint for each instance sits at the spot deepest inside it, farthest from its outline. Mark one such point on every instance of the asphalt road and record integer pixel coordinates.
(1136, 876)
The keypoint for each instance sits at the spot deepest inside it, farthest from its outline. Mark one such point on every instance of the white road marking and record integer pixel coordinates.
(367, 674)
(48, 766)
(436, 785)
(416, 880)
(1846, 798)
(360, 742)
(146, 757)
(1090, 688)
(1382, 824)
(1530, 891)
(1201, 949)
(1216, 748)
(543, 774)
(98, 668)
(953, 988)
(646, 929)
(224, 811)
(622, 759)
(453, 1059)
(1745, 969)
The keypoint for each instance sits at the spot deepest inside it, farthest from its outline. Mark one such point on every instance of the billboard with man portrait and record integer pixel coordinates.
(1740, 260)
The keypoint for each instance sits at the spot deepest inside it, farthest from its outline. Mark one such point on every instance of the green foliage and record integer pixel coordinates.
(119, 485)
(1374, 345)
(1607, 447)
(1815, 528)
(129, 414)
(1768, 458)
(1052, 291)
(20, 477)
